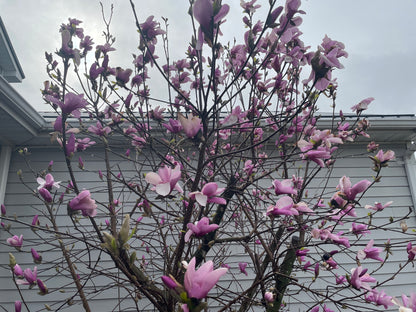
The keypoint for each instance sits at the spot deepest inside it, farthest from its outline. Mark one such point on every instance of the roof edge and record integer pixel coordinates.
(17, 75)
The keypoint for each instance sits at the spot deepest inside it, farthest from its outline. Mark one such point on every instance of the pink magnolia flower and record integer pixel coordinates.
(84, 203)
(3, 210)
(379, 298)
(200, 228)
(72, 103)
(190, 125)
(302, 207)
(384, 157)
(48, 182)
(370, 252)
(30, 277)
(349, 191)
(166, 180)
(319, 155)
(205, 14)
(174, 126)
(208, 194)
(325, 234)
(363, 105)
(358, 229)
(378, 206)
(198, 283)
(284, 206)
(340, 279)
(98, 129)
(284, 187)
(15, 241)
(243, 266)
(407, 304)
(360, 278)
(411, 251)
(157, 113)
(123, 75)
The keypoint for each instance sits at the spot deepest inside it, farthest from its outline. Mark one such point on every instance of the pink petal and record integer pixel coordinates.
(163, 189)
(201, 199)
(153, 178)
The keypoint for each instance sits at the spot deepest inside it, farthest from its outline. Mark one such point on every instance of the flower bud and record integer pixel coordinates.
(36, 257)
(123, 235)
(46, 195)
(17, 306)
(12, 260)
(42, 287)
(268, 296)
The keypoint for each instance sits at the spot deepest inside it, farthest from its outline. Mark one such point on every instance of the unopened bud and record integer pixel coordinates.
(123, 236)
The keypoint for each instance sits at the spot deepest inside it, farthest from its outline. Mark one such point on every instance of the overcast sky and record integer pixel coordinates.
(380, 37)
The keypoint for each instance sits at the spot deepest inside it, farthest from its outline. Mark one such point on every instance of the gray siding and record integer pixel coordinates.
(19, 201)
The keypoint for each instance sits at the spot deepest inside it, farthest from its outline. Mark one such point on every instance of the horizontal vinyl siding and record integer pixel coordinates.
(393, 187)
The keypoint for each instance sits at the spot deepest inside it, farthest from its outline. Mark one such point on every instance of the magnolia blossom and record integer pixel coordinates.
(379, 298)
(166, 180)
(243, 266)
(411, 251)
(284, 187)
(384, 157)
(360, 278)
(349, 191)
(72, 103)
(358, 229)
(325, 234)
(203, 11)
(15, 241)
(98, 129)
(199, 282)
(84, 203)
(209, 194)
(283, 206)
(29, 276)
(378, 206)
(408, 304)
(48, 182)
(190, 125)
(363, 105)
(200, 228)
(370, 252)
(174, 126)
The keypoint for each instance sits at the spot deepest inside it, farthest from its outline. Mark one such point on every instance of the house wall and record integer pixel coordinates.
(20, 202)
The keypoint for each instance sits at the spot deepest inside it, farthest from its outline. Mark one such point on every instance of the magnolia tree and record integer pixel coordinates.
(207, 199)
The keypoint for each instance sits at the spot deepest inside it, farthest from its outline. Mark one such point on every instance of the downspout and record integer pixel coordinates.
(410, 166)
